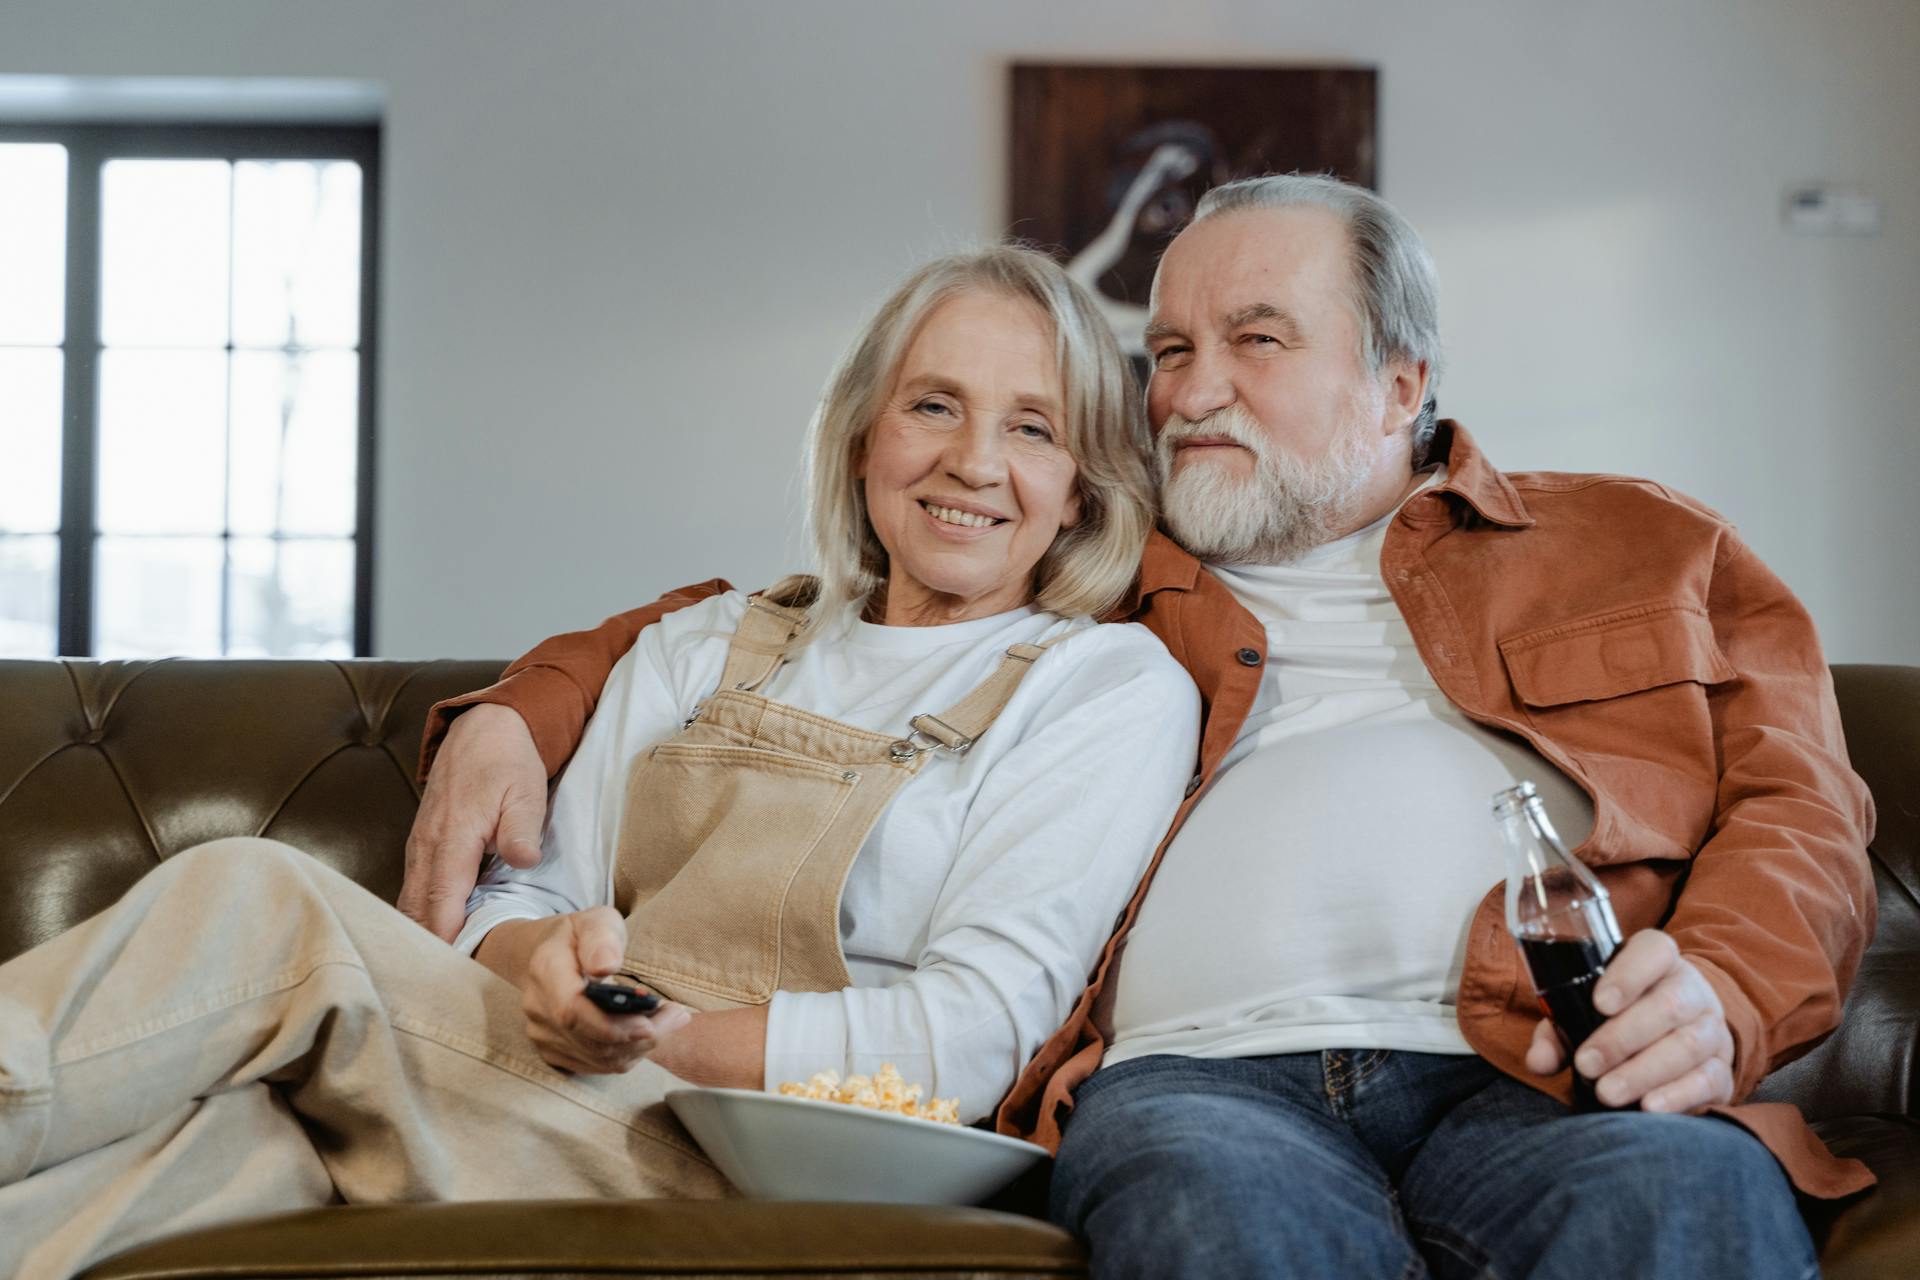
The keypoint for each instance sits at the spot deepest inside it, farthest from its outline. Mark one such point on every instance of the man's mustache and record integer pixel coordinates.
(1232, 423)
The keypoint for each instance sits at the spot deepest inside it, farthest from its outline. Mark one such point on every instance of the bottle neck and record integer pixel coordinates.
(1528, 854)
(1550, 893)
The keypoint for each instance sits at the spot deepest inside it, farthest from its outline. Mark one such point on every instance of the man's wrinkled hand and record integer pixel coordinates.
(1665, 1043)
(488, 788)
(571, 1033)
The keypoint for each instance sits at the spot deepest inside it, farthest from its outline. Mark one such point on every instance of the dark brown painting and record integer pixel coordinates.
(1109, 161)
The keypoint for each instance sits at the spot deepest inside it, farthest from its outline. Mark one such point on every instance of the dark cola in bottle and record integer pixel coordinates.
(1563, 920)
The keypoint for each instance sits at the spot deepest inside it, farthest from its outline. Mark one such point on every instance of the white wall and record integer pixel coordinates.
(624, 242)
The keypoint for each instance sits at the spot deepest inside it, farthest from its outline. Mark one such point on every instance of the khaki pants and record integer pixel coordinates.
(248, 1031)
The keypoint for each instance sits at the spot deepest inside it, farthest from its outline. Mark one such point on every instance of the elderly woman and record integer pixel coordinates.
(885, 813)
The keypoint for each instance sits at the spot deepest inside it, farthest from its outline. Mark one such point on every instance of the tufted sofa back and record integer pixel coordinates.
(107, 767)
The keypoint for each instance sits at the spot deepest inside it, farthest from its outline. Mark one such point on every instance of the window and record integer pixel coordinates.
(186, 390)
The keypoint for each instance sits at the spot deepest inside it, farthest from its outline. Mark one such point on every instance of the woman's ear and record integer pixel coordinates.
(1074, 511)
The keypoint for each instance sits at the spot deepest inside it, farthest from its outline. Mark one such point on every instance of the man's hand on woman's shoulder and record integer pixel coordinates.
(488, 788)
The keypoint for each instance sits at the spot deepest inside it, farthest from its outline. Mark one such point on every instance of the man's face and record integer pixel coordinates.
(1273, 434)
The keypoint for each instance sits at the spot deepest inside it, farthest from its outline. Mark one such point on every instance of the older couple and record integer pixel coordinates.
(893, 811)
(1311, 1049)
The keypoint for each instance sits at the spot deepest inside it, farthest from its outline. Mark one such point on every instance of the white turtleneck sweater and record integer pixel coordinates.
(1318, 896)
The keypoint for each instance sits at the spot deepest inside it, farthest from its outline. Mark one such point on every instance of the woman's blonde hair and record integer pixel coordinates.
(1089, 566)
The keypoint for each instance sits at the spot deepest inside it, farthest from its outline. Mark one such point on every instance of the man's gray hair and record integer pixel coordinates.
(1396, 292)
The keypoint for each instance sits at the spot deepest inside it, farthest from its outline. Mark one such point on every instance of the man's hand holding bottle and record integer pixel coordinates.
(1665, 1043)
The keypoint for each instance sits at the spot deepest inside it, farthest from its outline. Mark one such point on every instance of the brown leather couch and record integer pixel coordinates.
(107, 767)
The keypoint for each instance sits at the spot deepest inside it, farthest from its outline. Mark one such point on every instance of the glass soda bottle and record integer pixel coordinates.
(1562, 919)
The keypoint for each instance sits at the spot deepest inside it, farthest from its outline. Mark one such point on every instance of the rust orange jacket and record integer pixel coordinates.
(1637, 643)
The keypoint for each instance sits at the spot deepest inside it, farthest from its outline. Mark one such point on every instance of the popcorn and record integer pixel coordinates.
(882, 1091)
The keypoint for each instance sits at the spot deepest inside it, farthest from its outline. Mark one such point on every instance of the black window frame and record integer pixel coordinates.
(90, 144)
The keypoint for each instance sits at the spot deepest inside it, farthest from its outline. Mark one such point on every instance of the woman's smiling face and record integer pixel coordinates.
(967, 477)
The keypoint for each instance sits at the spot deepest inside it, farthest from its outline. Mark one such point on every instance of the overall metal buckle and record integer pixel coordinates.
(919, 742)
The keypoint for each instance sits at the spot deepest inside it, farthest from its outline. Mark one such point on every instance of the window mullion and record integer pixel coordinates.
(79, 480)
(370, 171)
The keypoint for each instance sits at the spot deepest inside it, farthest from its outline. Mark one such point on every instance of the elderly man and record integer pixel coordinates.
(1318, 1053)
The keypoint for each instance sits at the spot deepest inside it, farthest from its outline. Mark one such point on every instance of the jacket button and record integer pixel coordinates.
(1248, 657)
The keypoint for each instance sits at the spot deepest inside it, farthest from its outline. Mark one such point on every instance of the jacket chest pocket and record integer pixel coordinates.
(1626, 693)
(1614, 654)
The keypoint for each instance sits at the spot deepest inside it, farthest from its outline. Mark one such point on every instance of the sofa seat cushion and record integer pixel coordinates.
(611, 1238)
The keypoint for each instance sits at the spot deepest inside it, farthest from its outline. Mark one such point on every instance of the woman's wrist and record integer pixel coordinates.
(725, 1049)
(507, 946)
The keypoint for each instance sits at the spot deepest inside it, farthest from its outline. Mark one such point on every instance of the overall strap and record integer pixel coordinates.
(955, 729)
(760, 643)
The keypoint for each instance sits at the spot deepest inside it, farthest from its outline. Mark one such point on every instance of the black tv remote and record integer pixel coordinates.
(619, 995)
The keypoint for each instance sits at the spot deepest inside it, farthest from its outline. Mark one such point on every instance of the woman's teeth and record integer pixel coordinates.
(947, 515)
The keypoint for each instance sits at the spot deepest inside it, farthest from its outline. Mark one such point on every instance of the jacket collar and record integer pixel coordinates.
(1165, 565)
(1478, 482)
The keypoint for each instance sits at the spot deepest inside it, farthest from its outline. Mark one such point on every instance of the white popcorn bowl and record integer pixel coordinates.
(774, 1147)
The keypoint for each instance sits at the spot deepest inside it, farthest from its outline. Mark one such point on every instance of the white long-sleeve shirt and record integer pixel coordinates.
(980, 899)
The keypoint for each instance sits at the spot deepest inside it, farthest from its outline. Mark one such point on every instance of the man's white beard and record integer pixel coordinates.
(1286, 507)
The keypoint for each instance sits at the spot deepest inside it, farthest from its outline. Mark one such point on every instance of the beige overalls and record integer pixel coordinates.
(740, 830)
(158, 1074)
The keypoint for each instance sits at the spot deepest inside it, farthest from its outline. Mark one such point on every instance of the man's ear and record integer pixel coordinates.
(1405, 382)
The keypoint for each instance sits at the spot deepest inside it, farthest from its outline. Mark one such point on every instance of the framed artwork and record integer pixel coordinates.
(1109, 161)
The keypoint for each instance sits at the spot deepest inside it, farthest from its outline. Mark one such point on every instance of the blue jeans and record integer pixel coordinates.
(1370, 1162)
